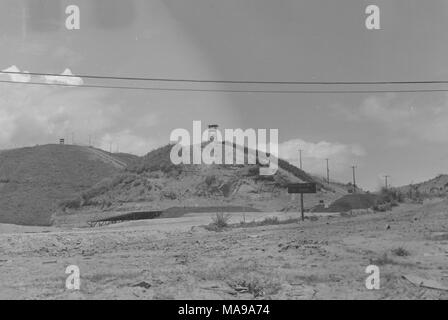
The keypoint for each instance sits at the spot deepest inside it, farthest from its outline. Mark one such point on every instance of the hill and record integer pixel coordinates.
(34, 180)
(437, 186)
(155, 183)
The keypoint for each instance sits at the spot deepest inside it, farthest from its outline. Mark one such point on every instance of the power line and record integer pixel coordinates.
(229, 81)
(223, 90)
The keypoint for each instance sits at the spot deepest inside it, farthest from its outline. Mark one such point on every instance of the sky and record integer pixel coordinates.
(403, 135)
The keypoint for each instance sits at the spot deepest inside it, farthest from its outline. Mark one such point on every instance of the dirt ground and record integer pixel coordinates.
(321, 258)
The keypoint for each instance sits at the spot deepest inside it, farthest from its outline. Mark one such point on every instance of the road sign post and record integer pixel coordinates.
(302, 188)
(302, 209)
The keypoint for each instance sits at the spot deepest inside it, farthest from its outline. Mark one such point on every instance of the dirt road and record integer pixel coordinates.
(322, 259)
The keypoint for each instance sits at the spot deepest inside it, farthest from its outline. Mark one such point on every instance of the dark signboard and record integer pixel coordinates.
(302, 188)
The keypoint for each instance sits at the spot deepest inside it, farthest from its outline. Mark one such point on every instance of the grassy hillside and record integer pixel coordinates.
(155, 183)
(159, 159)
(437, 186)
(34, 180)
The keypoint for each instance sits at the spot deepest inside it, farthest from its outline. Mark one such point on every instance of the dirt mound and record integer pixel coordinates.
(34, 180)
(352, 202)
(155, 183)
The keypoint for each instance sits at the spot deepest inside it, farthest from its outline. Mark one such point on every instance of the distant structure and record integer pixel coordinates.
(212, 132)
(61, 141)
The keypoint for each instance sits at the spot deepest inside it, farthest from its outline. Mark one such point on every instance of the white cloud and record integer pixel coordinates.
(406, 119)
(17, 77)
(137, 122)
(126, 141)
(66, 77)
(410, 120)
(387, 110)
(314, 154)
(32, 115)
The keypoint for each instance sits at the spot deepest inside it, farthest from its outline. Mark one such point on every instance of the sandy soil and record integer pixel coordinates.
(322, 258)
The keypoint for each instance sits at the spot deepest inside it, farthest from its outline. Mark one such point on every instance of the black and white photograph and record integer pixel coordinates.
(242, 151)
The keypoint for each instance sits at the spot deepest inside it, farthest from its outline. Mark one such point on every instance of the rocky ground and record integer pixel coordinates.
(321, 258)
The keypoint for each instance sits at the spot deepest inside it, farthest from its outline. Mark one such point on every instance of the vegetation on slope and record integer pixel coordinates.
(34, 180)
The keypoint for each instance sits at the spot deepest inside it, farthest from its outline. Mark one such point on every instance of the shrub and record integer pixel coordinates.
(226, 189)
(401, 252)
(270, 220)
(219, 222)
(390, 195)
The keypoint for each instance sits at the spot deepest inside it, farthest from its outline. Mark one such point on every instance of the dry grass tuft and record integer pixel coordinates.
(219, 222)
(400, 252)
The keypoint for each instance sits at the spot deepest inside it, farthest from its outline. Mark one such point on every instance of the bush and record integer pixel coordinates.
(401, 252)
(390, 195)
(388, 198)
(270, 220)
(219, 222)
(226, 189)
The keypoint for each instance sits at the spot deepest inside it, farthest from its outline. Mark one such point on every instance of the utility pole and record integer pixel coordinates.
(300, 158)
(328, 172)
(354, 179)
(385, 177)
